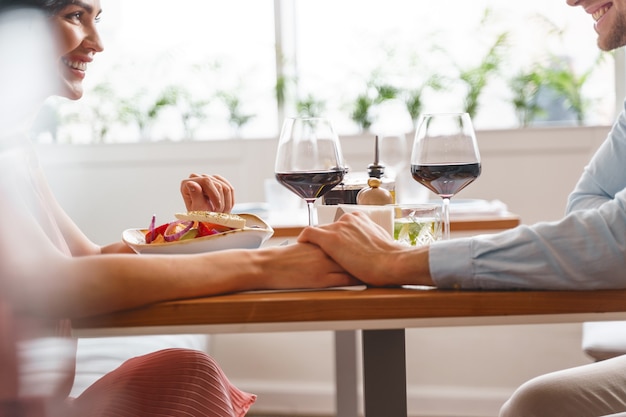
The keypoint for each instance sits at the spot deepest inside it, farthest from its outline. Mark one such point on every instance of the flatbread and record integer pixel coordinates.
(224, 219)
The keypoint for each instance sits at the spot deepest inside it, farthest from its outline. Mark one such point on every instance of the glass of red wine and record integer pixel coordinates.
(445, 157)
(309, 161)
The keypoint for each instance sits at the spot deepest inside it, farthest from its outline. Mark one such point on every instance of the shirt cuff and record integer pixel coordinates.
(450, 262)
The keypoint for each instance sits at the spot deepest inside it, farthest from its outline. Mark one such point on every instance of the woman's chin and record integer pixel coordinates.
(71, 93)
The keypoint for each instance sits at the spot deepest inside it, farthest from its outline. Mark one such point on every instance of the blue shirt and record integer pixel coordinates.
(584, 250)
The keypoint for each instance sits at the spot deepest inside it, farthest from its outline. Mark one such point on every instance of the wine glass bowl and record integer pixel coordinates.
(445, 157)
(309, 161)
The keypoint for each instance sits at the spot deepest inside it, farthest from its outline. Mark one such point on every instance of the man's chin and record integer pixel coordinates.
(608, 47)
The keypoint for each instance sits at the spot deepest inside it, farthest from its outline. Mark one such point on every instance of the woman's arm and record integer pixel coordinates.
(50, 269)
(37, 278)
(199, 192)
(77, 242)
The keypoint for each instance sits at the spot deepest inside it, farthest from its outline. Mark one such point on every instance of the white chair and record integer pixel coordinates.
(604, 339)
(98, 356)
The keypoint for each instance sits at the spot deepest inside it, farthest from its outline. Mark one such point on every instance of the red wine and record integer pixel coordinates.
(312, 184)
(447, 179)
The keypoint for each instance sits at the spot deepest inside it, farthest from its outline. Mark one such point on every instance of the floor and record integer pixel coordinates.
(297, 415)
(252, 414)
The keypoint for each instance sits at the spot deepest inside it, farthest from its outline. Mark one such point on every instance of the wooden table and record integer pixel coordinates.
(457, 224)
(346, 344)
(382, 314)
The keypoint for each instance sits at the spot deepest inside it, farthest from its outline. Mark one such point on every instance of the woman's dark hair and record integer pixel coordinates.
(50, 7)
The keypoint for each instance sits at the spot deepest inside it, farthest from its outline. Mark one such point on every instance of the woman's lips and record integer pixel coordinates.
(76, 67)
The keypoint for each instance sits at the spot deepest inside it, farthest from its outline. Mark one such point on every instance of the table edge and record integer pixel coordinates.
(372, 305)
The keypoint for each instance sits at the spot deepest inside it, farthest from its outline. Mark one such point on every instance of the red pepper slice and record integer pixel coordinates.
(206, 229)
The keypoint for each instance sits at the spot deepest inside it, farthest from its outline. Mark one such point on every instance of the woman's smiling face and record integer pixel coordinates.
(78, 42)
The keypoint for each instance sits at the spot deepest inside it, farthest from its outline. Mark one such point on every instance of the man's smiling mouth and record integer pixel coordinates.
(601, 12)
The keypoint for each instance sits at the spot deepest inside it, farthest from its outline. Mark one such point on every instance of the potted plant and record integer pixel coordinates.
(413, 97)
(551, 92)
(310, 107)
(133, 110)
(192, 111)
(236, 116)
(376, 92)
(476, 78)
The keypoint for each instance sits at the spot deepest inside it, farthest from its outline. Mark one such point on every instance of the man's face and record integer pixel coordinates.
(610, 21)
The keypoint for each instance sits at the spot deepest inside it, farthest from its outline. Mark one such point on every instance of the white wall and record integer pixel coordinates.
(451, 371)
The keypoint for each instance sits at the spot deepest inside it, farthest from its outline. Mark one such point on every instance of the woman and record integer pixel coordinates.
(49, 270)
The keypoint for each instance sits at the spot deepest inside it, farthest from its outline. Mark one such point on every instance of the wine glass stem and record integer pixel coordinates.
(310, 205)
(446, 219)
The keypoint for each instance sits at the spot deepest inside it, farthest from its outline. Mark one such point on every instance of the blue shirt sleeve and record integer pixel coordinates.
(604, 176)
(584, 250)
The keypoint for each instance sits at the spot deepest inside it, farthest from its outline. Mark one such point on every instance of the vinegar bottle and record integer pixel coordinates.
(374, 194)
(379, 191)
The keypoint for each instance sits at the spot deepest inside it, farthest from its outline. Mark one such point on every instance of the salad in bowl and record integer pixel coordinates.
(199, 231)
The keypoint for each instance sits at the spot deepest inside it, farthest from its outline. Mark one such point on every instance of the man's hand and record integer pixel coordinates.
(367, 252)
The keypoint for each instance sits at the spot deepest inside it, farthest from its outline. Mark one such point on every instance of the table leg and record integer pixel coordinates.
(346, 385)
(384, 373)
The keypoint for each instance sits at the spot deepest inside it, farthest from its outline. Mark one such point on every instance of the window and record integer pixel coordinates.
(203, 69)
(342, 46)
(172, 71)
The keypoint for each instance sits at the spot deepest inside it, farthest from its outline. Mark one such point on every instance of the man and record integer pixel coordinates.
(584, 250)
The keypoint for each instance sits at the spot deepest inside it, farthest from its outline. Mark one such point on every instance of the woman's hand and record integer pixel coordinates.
(207, 193)
(299, 266)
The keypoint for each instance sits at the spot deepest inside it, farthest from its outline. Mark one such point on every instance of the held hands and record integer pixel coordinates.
(360, 246)
(207, 193)
(303, 266)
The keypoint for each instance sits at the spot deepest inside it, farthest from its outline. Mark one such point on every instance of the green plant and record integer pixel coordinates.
(564, 81)
(98, 110)
(236, 117)
(557, 78)
(102, 117)
(525, 88)
(131, 110)
(385, 92)
(552, 82)
(376, 92)
(413, 97)
(192, 111)
(281, 90)
(476, 78)
(310, 107)
(360, 112)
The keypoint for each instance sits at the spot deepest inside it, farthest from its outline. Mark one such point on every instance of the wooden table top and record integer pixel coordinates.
(375, 306)
(457, 224)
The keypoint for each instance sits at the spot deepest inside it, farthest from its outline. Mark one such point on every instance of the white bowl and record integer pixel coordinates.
(252, 236)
